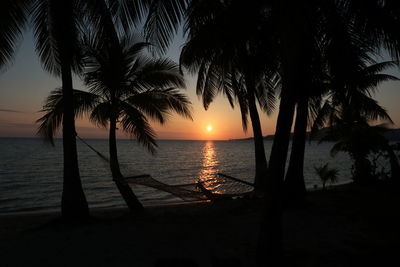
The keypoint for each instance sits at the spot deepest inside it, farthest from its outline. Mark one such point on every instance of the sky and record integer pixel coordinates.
(24, 85)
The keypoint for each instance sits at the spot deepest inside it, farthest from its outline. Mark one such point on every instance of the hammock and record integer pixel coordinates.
(222, 186)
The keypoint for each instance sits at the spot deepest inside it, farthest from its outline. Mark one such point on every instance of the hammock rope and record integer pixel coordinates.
(221, 186)
(94, 150)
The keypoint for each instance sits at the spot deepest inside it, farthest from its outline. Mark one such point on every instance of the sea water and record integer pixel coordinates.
(31, 170)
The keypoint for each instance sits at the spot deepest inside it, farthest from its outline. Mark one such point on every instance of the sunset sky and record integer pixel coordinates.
(24, 86)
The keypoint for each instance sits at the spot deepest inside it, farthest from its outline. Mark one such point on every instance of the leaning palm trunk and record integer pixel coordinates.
(293, 62)
(124, 189)
(73, 203)
(270, 237)
(261, 161)
(295, 189)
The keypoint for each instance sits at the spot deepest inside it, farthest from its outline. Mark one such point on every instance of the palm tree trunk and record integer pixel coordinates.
(295, 188)
(269, 248)
(362, 169)
(73, 202)
(292, 26)
(123, 187)
(261, 160)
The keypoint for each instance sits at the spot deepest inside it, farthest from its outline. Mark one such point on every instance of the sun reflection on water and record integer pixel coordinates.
(208, 173)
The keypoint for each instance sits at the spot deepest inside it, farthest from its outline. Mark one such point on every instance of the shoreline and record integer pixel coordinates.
(33, 210)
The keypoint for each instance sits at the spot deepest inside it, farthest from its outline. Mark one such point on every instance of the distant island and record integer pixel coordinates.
(392, 135)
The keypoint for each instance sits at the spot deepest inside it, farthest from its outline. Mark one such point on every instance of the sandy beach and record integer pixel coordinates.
(347, 225)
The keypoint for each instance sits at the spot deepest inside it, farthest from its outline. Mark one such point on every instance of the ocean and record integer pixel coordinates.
(31, 170)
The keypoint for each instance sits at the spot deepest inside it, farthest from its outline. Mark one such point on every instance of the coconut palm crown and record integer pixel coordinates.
(130, 88)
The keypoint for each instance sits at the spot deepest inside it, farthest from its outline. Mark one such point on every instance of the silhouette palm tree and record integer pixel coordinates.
(349, 110)
(233, 63)
(56, 31)
(126, 89)
(326, 174)
(358, 139)
(339, 52)
(306, 104)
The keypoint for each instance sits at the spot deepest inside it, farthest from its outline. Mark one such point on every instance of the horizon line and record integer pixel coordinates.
(97, 138)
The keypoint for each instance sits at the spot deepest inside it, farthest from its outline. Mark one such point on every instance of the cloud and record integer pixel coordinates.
(10, 110)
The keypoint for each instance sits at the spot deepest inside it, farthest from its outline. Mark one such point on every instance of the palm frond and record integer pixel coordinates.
(56, 31)
(101, 114)
(43, 31)
(211, 84)
(150, 104)
(339, 147)
(84, 102)
(127, 13)
(322, 117)
(177, 102)
(101, 23)
(266, 93)
(241, 97)
(201, 78)
(13, 16)
(164, 18)
(314, 105)
(103, 66)
(196, 52)
(136, 125)
(132, 48)
(51, 121)
(157, 103)
(161, 73)
(379, 67)
(370, 83)
(371, 110)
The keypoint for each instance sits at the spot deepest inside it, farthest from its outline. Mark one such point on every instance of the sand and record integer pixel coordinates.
(347, 225)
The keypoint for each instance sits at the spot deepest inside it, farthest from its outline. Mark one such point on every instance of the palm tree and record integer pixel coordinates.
(359, 139)
(56, 24)
(233, 63)
(326, 174)
(126, 89)
(349, 111)
(292, 28)
(306, 104)
(337, 51)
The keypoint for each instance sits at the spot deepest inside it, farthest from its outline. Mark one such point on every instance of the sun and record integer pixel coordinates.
(209, 128)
